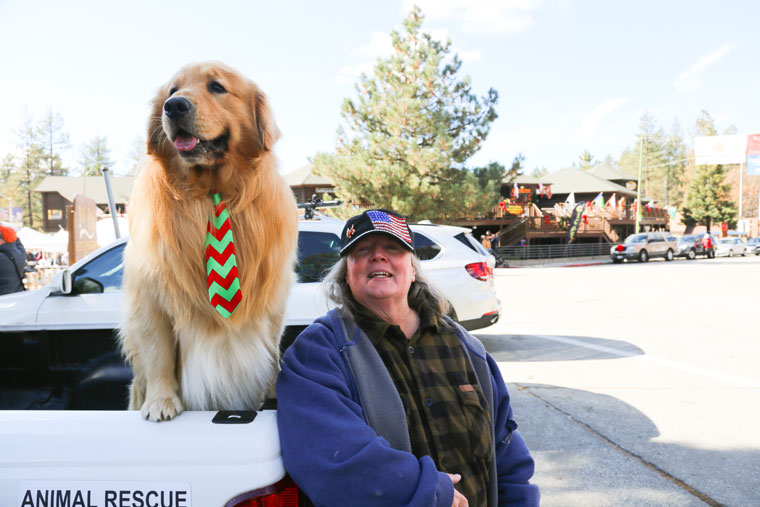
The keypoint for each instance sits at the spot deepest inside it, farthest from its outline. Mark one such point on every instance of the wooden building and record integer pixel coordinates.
(305, 184)
(59, 192)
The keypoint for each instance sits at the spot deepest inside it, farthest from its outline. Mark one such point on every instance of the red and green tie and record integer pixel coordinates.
(221, 265)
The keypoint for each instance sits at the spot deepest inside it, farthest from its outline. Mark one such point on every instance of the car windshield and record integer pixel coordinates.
(636, 238)
(725, 241)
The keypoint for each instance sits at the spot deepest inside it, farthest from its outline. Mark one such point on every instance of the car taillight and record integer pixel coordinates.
(620, 248)
(480, 271)
(281, 494)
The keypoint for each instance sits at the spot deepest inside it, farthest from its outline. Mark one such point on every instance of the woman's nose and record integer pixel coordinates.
(377, 252)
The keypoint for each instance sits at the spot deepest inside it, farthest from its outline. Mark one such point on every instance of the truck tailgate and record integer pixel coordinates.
(114, 458)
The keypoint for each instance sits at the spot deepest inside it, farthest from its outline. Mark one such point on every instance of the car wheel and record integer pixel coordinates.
(643, 256)
(744, 252)
(691, 255)
(730, 253)
(669, 255)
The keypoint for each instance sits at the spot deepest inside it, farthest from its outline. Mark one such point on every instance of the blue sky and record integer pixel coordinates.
(572, 75)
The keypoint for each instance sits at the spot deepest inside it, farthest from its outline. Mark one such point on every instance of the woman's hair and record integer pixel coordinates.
(423, 297)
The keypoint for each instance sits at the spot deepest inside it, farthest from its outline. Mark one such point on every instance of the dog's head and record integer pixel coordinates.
(207, 115)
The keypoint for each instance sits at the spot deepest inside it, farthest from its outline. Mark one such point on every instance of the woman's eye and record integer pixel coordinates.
(215, 87)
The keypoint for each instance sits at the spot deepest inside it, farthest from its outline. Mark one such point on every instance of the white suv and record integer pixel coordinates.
(55, 335)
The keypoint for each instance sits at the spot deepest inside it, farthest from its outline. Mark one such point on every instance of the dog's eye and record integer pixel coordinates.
(173, 90)
(215, 87)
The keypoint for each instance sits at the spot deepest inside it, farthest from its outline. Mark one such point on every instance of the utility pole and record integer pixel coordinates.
(638, 186)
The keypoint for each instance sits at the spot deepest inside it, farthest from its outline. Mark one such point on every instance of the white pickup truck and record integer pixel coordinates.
(65, 438)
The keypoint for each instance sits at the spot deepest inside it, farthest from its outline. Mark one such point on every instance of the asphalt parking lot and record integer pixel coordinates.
(636, 384)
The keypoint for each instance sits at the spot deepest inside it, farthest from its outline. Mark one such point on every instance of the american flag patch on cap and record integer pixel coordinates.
(383, 221)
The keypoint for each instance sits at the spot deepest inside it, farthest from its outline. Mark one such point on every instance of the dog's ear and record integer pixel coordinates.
(263, 119)
(155, 127)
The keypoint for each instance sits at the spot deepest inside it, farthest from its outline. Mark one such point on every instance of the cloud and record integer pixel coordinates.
(483, 16)
(591, 119)
(379, 46)
(470, 56)
(691, 80)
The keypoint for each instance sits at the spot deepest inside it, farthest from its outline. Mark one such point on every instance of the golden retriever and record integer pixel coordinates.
(210, 129)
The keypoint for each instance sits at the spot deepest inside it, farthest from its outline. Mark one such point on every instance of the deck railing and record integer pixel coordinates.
(528, 252)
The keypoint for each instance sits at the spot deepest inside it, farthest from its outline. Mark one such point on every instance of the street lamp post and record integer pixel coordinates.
(638, 185)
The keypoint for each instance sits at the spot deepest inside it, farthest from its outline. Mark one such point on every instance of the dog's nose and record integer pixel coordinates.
(176, 107)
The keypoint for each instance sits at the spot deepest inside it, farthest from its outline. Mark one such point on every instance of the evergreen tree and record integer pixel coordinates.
(136, 153)
(491, 176)
(708, 199)
(96, 156)
(53, 141)
(413, 126)
(29, 172)
(653, 158)
(8, 190)
(7, 168)
(586, 161)
(539, 172)
(675, 163)
(494, 175)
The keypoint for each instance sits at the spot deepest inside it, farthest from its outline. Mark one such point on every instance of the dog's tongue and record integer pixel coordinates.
(185, 143)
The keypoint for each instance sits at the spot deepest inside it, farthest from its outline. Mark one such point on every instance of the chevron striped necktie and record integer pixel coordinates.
(221, 265)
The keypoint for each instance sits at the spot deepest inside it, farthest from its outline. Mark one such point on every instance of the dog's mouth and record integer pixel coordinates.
(189, 146)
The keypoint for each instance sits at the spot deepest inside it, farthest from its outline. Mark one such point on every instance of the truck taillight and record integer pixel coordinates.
(281, 494)
(480, 271)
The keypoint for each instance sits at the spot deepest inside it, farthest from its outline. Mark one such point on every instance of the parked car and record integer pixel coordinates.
(753, 245)
(730, 247)
(690, 246)
(644, 246)
(63, 334)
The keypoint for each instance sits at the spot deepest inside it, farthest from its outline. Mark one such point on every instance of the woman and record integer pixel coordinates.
(12, 262)
(379, 401)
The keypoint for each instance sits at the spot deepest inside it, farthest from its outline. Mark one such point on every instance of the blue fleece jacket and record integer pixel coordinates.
(337, 459)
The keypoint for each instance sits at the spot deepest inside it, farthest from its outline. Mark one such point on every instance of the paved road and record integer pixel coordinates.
(636, 384)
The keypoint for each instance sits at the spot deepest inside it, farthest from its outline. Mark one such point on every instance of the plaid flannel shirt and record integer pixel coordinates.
(446, 411)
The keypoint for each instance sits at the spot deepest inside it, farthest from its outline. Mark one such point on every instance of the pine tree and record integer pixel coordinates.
(29, 171)
(653, 158)
(708, 199)
(675, 163)
(586, 161)
(96, 156)
(413, 126)
(539, 172)
(53, 141)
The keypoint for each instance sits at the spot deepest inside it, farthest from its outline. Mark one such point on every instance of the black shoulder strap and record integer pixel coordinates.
(18, 273)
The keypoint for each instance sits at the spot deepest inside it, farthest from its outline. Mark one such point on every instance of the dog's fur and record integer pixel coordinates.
(183, 353)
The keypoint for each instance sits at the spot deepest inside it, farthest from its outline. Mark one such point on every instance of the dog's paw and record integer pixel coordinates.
(162, 408)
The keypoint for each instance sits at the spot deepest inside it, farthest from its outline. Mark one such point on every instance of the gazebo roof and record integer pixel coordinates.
(93, 187)
(304, 176)
(572, 179)
(608, 173)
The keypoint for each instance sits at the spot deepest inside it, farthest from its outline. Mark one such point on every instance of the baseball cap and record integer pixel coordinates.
(375, 221)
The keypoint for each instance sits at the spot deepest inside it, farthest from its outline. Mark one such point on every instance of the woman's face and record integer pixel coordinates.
(379, 268)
